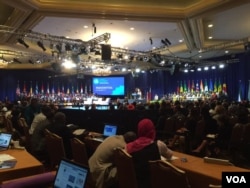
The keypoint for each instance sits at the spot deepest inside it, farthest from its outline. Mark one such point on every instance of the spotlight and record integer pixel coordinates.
(21, 41)
(67, 47)
(167, 41)
(94, 27)
(15, 60)
(31, 62)
(40, 44)
(151, 41)
(59, 48)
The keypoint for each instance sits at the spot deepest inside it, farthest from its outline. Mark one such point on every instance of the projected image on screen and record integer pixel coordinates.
(108, 86)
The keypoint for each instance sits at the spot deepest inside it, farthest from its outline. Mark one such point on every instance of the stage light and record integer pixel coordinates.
(151, 41)
(40, 44)
(59, 48)
(15, 60)
(21, 41)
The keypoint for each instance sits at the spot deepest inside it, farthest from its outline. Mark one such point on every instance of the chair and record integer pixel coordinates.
(79, 151)
(55, 148)
(39, 180)
(125, 169)
(164, 174)
(27, 140)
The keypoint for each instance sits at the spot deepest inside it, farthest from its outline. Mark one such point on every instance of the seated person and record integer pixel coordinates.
(144, 149)
(59, 127)
(101, 163)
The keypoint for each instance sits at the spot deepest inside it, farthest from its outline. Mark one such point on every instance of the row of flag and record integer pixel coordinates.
(36, 89)
(205, 85)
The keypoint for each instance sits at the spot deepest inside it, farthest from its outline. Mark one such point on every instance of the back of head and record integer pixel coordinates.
(146, 129)
(60, 117)
(129, 136)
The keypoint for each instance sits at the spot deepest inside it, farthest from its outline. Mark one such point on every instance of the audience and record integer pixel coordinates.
(146, 148)
(101, 163)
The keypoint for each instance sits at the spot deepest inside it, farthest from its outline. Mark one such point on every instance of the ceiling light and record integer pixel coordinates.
(40, 44)
(131, 28)
(21, 41)
(221, 66)
(226, 52)
(210, 37)
(213, 67)
(206, 68)
(210, 25)
(198, 69)
(185, 70)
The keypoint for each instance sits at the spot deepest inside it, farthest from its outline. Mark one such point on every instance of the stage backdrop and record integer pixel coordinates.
(234, 79)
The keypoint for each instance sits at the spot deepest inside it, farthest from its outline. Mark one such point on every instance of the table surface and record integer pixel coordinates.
(26, 165)
(199, 171)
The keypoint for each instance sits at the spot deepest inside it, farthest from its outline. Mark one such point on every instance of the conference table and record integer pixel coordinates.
(26, 165)
(200, 174)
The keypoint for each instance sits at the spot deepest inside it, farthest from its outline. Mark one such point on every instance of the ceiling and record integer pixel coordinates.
(85, 25)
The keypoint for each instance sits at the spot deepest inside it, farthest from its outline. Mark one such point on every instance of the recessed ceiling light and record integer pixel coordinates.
(210, 37)
(210, 25)
(226, 52)
(85, 26)
(181, 40)
(132, 28)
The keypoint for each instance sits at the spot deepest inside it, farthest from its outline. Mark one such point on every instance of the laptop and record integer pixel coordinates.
(5, 140)
(108, 130)
(70, 175)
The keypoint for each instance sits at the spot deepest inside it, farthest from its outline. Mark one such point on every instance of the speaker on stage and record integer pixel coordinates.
(106, 52)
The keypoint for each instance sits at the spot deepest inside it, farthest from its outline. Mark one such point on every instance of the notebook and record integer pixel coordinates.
(71, 175)
(5, 140)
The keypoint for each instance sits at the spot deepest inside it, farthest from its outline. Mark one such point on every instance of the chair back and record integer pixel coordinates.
(163, 174)
(27, 143)
(125, 169)
(55, 148)
(79, 151)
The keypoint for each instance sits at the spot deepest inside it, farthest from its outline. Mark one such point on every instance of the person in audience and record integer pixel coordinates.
(31, 110)
(146, 148)
(101, 163)
(39, 117)
(210, 128)
(59, 127)
(38, 146)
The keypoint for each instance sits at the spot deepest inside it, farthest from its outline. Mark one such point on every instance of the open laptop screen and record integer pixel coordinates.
(70, 175)
(109, 130)
(5, 139)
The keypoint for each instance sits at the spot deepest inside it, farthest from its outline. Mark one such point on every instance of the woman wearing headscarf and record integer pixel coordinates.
(144, 149)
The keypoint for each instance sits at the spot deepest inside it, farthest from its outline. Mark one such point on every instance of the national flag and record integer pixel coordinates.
(42, 88)
(81, 91)
(215, 86)
(18, 88)
(24, 87)
(211, 85)
(48, 91)
(224, 88)
(53, 89)
(77, 89)
(219, 86)
(201, 86)
(149, 95)
(206, 86)
(68, 92)
(193, 86)
(189, 85)
(181, 87)
(86, 89)
(197, 86)
(36, 89)
(62, 89)
(184, 86)
(58, 89)
(31, 89)
(178, 88)
(239, 92)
